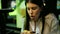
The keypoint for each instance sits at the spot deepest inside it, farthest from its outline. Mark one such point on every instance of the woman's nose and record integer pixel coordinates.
(31, 11)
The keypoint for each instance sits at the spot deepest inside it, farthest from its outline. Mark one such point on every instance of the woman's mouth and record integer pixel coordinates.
(31, 16)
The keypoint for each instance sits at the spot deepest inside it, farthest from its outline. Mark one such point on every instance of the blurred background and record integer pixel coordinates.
(13, 14)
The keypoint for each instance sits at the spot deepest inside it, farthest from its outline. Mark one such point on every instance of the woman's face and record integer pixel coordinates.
(33, 10)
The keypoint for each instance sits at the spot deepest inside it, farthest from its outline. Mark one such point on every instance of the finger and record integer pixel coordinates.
(28, 32)
(25, 32)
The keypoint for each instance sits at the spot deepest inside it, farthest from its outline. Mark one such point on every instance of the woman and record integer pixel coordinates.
(38, 19)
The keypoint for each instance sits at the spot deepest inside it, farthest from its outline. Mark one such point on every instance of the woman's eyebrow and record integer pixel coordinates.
(34, 7)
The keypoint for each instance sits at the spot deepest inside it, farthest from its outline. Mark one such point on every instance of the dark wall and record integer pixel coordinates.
(5, 3)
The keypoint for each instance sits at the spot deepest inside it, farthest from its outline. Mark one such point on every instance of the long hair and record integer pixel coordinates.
(42, 13)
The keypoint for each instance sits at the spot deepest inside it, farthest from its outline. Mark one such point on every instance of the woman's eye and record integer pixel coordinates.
(34, 8)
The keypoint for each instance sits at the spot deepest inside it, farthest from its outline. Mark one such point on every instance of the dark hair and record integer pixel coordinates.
(37, 2)
(42, 13)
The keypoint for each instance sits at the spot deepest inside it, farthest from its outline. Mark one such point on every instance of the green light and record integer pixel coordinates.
(0, 4)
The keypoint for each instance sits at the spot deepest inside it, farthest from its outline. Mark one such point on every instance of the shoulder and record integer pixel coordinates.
(52, 22)
(50, 18)
(50, 15)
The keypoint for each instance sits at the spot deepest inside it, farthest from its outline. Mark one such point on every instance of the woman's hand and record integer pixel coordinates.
(25, 32)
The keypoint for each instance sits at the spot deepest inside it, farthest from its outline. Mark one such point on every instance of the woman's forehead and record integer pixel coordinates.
(31, 5)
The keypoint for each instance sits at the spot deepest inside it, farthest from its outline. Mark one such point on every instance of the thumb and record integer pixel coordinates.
(29, 32)
(25, 30)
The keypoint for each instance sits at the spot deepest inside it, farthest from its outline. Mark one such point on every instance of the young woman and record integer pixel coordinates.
(39, 20)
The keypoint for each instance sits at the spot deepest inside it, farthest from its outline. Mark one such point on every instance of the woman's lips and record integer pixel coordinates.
(32, 16)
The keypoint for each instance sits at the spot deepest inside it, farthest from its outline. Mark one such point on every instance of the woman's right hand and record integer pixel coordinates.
(26, 32)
